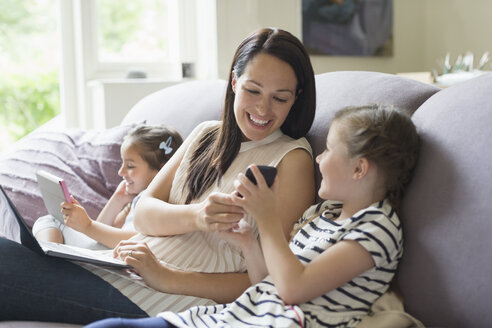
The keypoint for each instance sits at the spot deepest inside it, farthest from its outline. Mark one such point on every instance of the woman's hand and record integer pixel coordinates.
(217, 213)
(75, 216)
(258, 200)
(144, 263)
(241, 235)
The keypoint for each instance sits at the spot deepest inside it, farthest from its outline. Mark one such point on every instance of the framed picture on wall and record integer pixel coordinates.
(348, 27)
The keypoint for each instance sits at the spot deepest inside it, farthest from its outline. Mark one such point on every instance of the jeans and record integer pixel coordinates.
(42, 288)
(132, 323)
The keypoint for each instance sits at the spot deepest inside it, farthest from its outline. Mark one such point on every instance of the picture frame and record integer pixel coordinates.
(348, 27)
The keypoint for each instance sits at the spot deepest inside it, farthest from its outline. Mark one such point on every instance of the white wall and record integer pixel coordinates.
(423, 31)
(457, 26)
(237, 18)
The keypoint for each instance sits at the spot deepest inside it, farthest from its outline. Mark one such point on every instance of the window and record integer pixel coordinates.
(50, 51)
(136, 31)
(103, 39)
(122, 35)
(29, 61)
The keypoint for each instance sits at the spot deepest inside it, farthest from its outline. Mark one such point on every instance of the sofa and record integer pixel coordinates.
(444, 277)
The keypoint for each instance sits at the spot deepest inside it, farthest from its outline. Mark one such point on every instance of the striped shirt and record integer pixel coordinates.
(377, 228)
(198, 251)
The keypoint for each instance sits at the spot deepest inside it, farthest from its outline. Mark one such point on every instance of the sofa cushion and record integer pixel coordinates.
(446, 213)
(186, 105)
(87, 160)
(336, 90)
(182, 106)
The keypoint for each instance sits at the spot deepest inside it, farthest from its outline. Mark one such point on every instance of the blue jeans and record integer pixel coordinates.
(132, 323)
(42, 288)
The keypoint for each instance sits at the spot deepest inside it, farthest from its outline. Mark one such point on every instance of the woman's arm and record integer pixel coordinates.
(295, 169)
(154, 216)
(220, 287)
(295, 187)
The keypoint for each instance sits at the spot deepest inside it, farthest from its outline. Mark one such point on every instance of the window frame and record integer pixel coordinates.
(170, 69)
(80, 65)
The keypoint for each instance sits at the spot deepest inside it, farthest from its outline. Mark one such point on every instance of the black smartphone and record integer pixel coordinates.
(269, 173)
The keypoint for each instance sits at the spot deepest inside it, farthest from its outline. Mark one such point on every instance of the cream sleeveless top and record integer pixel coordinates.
(199, 251)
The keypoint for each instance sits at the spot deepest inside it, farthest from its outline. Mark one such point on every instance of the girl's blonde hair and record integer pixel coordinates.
(385, 135)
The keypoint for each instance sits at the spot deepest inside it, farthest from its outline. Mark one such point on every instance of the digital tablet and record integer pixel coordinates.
(54, 191)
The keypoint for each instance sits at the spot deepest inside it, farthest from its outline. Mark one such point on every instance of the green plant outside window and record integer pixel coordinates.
(29, 88)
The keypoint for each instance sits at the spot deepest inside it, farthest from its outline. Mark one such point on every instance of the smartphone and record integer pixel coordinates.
(269, 173)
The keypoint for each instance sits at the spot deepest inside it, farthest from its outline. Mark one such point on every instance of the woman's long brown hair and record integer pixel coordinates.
(219, 147)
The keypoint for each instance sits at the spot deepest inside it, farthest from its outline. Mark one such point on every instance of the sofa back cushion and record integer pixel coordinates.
(445, 273)
(182, 106)
(87, 160)
(186, 105)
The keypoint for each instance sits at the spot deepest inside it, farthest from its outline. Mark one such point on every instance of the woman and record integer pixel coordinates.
(270, 100)
(346, 251)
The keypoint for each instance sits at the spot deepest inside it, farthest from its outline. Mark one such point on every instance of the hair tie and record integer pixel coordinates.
(166, 145)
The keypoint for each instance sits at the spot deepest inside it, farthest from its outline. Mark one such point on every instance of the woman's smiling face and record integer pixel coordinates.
(264, 95)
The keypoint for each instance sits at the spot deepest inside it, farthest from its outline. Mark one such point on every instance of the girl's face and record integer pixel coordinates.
(264, 95)
(336, 167)
(134, 170)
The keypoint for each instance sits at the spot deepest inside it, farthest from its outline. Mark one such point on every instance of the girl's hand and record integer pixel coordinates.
(143, 261)
(259, 200)
(241, 235)
(218, 213)
(121, 194)
(75, 215)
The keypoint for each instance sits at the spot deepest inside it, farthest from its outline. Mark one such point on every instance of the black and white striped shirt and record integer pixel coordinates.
(377, 228)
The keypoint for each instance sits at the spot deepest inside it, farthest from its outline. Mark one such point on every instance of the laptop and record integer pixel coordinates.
(68, 252)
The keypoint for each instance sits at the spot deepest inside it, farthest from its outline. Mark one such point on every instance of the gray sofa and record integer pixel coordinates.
(444, 274)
